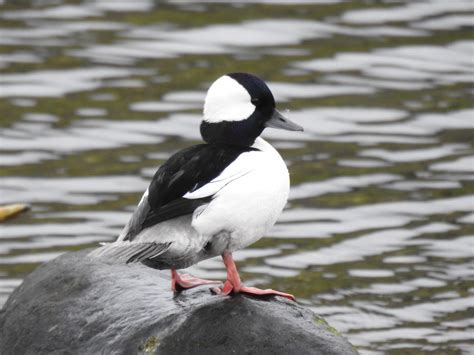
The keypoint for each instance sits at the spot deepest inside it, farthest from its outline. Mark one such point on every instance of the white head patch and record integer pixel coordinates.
(227, 100)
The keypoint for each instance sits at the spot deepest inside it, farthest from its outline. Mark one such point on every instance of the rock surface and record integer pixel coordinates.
(76, 305)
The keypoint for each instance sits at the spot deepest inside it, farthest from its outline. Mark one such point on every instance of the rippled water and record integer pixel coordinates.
(378, 234)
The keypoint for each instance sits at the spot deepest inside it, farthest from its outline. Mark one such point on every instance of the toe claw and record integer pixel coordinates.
(225, 290)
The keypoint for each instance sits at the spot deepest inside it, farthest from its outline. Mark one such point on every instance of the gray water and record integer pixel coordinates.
(378, 233)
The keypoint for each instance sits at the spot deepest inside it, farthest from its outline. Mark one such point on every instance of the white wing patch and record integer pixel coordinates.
(145, 195)
(214, 186)
(242, 166)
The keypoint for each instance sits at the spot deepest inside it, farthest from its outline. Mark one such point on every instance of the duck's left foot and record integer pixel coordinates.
(257, 292)
(185, 281)
(228, 289)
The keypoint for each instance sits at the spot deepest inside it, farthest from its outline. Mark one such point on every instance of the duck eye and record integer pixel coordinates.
(255, 101)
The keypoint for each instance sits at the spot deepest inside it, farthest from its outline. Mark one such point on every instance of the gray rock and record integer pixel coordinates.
(76, 305)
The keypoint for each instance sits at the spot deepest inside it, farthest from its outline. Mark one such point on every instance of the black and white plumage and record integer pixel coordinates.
(217, 197)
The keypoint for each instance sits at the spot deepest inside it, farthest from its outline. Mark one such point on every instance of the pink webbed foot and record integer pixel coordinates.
(185, 281)
(228, 289)
(233, 283)
(257, 292)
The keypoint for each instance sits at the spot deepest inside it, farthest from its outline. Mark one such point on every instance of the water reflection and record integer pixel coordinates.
(52, 83)
(377, 235)
(403, 68)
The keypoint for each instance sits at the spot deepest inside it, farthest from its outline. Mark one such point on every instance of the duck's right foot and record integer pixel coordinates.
(233, 284)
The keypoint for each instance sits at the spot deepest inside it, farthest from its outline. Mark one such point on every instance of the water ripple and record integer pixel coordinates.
(377, 236)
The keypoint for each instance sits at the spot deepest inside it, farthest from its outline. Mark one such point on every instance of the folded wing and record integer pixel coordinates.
(189, 179)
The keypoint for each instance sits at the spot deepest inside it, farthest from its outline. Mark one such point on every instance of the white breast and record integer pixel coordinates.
(252, 193)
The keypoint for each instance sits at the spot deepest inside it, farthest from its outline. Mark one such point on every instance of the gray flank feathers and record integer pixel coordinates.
(127, 252)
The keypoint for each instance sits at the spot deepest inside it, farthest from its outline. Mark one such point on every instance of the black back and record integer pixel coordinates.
(185, 171)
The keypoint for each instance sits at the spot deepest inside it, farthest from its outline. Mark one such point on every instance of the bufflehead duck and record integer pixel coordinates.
(213, 198)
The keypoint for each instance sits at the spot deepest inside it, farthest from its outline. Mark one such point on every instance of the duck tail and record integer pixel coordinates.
(128, 252)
